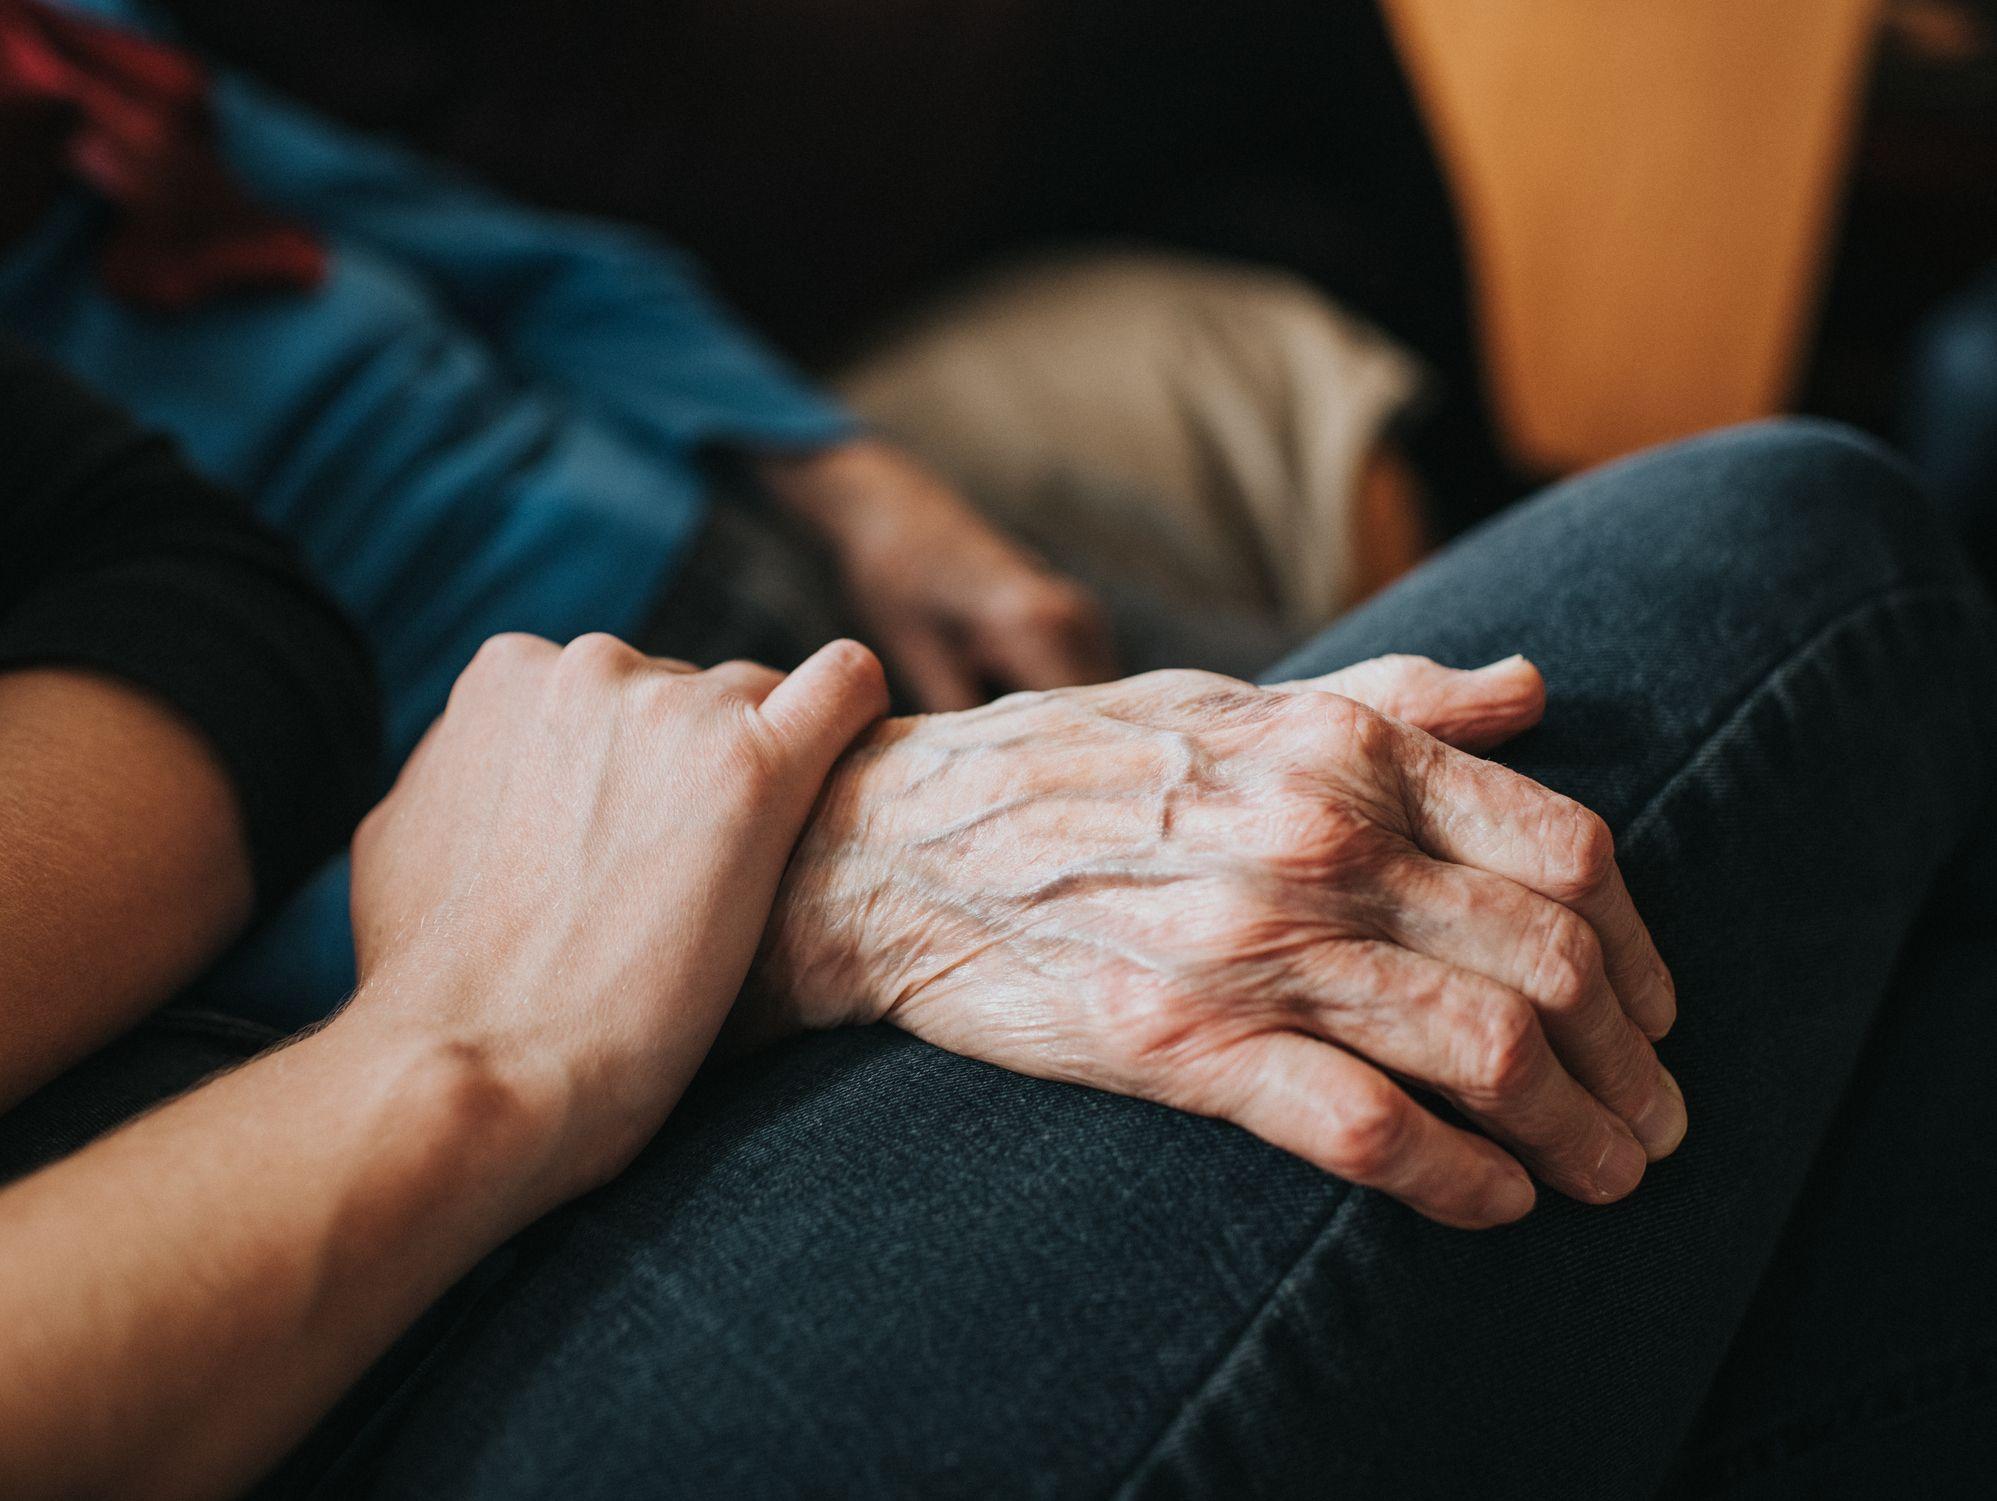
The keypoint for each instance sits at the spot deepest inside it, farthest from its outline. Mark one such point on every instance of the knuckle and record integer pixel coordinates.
(502, 664)
(1568, 959)
(1184, 682)
(1361, 748)
(597, 654)
(739, 673)
(1502, 1054)
(1363, 733)
(1178, 696)
(1320, 718)
(1327, 712)
(1323, 839)
(508, 650)
(1582, 852)
(1367, 1135)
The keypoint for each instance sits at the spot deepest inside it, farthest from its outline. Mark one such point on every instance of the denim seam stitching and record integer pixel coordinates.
(1327, 1224)
(1809, 646)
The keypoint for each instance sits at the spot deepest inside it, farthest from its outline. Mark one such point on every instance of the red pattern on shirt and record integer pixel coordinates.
(130, 119)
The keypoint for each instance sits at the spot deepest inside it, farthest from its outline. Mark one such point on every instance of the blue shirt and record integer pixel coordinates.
(486, 419)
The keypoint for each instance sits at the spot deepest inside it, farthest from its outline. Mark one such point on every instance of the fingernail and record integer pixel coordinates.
(1661, 1126)
(1504, 664)
(1621, 1167)
(1510, 1197)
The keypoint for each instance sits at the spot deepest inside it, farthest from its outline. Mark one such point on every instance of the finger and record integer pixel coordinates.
(1345, 1116)
(752, 680)
(1477, 813)
(510, 662)
(1057, 638)
(1472, 709)
(503, 679)
(822, 707)
(1549, 954)
(1636, 969)
(940, 678)
(1480, 1044)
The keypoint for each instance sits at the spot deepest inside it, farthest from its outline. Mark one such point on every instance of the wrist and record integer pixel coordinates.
(498, 1122)
(824, 958)
(840, 492)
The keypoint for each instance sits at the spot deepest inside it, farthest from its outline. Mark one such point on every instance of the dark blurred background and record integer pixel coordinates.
(833, 164)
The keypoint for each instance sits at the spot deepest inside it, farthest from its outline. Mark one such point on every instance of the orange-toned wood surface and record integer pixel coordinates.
(1649, 187)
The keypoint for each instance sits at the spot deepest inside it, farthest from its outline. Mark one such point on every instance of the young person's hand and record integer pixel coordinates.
(569, 878)
(1261, 904)
(554, 909)
(956, 607)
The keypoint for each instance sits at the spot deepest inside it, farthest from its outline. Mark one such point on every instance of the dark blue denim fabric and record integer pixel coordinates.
(860, 1266)
(857, 1265)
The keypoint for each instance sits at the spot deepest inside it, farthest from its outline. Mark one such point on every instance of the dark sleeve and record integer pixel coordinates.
(116, 557)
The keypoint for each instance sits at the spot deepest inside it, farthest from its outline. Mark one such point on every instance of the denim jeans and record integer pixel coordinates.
(857, 1265)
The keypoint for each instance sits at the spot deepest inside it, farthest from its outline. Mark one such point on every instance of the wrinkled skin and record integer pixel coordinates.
(1268, 905)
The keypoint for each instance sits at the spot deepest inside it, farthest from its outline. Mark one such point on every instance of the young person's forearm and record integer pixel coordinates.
(553, 909)
(123, 866)
(182, 1300)
(187, 725)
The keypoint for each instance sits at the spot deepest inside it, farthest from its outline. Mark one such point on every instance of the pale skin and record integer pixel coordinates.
(1265, 905)
(555, 908)
(1260, 904)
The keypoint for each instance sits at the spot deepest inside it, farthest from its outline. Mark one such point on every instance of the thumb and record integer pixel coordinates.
(822, 707)
(1472, 710)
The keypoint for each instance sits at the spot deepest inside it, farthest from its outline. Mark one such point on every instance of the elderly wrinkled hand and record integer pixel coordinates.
(1277, 906)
